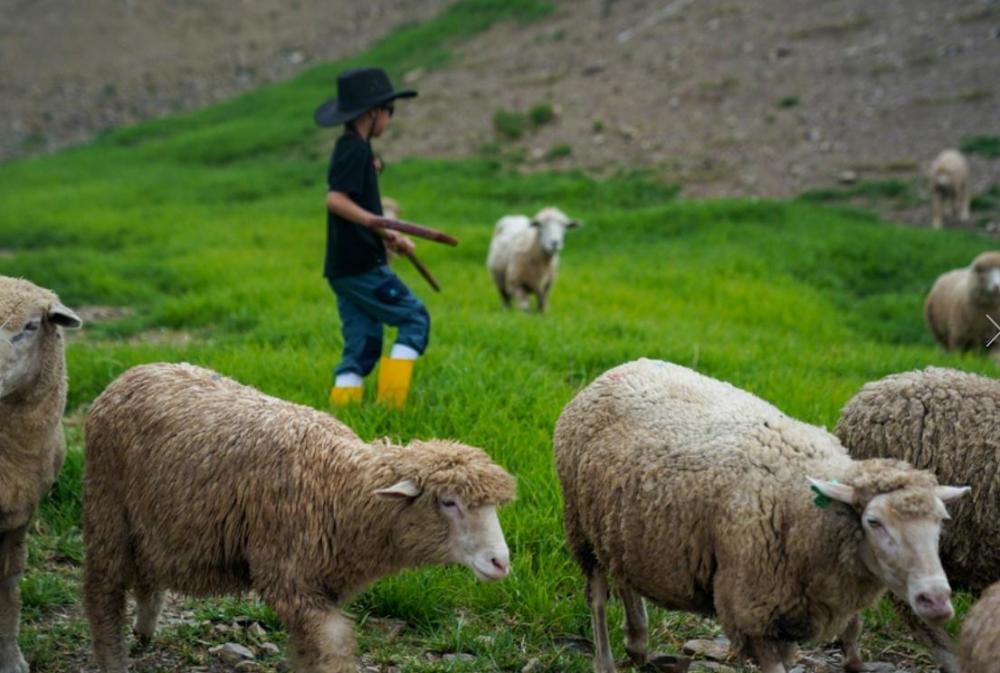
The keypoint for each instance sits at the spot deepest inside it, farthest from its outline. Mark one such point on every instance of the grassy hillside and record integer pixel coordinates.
(207, 230)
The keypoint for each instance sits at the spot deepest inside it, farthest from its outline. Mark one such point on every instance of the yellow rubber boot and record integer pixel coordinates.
(394, 376)
(341, 396)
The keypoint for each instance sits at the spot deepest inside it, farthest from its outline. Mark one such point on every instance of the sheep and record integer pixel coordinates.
(949, 176)
(962, 302)
(199, 484)
(32, 401)
(391, 208)
(944, 421)
(696, 495)
(980, 648)
(524, 255)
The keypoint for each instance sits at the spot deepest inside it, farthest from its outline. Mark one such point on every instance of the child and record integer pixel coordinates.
(368, 293)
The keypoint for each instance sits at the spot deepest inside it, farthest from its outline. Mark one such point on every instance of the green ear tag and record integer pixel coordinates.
(822, 501)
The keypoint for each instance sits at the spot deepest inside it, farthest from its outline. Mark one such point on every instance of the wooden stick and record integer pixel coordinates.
(415, 230)
(424, 271)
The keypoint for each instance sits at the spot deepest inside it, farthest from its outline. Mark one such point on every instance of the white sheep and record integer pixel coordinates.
(945, 421)
(524, 255)
(980, 646)
(695, 494)
(32, 401)
(202, 485)
(949, 175)
(960, 305)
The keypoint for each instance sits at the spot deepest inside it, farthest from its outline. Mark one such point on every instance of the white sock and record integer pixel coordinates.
(402, 352)
(348, 380)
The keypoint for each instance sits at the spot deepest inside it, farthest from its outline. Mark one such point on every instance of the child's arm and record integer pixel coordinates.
(341, 204)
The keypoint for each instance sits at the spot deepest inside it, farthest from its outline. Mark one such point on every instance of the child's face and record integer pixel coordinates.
(381, 123)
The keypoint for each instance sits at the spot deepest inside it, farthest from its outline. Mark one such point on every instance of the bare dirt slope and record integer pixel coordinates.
(69, 68)
(724, 97)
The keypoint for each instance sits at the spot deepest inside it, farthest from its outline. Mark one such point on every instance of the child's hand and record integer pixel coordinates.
(399, 243)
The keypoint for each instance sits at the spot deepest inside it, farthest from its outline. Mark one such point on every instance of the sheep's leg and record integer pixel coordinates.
(597, 596)
(849, 641)
(12, 557)
(322, 640)
(149, 603)
(789, 653)
(499, 279)
(768, 654)
(962, 202)
(635, 624)
(936, 207)
(520, 295)
(104, 601)
(934, 638)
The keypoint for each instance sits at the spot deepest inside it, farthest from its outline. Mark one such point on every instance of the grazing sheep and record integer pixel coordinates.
(980, 648)
(32, 401)
(524, 255)
(695, 494)
(945, 421)
(205, 486)
(960, 302)
(949, 176)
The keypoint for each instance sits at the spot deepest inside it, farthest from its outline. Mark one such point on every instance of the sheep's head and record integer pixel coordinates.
(448, 495)
(29, 321)
(901, 510)
(552, 224)
(986, 269)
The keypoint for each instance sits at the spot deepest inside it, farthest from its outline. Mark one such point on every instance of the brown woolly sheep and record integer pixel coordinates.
(205, 486)
(958, 304)
(949, 176)
(980, 648)
(524, 255)
(696, 495)
(32, 401)
(948, 422)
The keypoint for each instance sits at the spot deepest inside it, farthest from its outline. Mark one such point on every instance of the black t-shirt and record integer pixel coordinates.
(352, 249)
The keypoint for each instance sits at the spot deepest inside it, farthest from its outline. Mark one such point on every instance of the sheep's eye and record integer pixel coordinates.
(28, 330)
(449, 503)
(874, 524)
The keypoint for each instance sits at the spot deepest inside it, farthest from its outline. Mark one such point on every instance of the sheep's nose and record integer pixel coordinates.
(934, 605)
(501, 564)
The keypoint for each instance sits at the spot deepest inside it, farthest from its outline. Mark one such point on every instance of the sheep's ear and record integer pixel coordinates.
(832, 491)
(403, 489)
(574, 224)
(535, 223)
(949, 493)
(64, 317)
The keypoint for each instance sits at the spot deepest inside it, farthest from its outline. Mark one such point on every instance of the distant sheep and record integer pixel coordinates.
(32, 401)
(980, 648)
(696, 495)
(524, 255)
(201, 485)
(948, 422)
(949, 176)
(959, 303)
(391, 208)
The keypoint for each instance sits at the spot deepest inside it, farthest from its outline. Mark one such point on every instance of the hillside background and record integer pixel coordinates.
(726, 98)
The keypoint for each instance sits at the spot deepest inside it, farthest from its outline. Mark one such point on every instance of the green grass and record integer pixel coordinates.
(986, 145)
(210, 227)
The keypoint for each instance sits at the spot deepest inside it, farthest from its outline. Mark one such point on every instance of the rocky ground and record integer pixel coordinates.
(725, 98)
(71, 69)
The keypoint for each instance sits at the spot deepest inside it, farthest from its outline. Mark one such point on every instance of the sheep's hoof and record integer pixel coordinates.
(637, 657)
(666, 663)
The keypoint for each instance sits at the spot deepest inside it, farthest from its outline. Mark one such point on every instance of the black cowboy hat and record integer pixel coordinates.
(358, 91)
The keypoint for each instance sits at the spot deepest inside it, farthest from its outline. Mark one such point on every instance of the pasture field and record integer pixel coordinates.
(200, 238)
